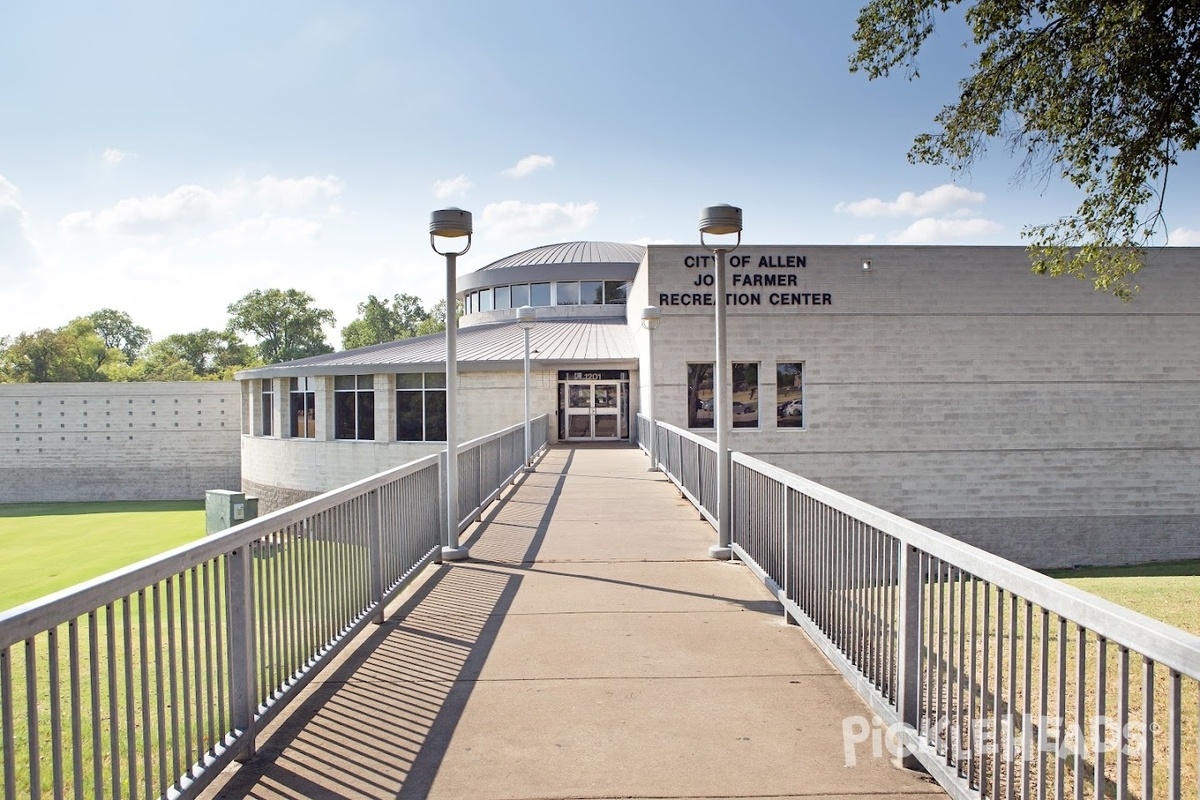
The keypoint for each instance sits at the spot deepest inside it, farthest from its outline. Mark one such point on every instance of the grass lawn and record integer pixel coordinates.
(1169, 592)
(45, 547)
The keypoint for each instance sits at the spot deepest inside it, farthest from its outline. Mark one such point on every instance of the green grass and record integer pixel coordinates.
(1169, 592)
(45, 547)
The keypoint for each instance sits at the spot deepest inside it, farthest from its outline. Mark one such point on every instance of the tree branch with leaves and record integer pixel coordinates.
(1106, 94)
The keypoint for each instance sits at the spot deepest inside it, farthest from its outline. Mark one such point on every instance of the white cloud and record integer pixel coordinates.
(151, 216)
(283, 230)
(451, 187)
(864, 238)
(192, 206)
(113, 156)
(296, 191)
(514, 218)
(1184, 237)
(18, 252)
(947, 197)
(645, 240)
(931, 230)
(529, 164)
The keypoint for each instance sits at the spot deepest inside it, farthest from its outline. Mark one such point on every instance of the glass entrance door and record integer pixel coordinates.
(593, 410)
(579, 411)
(606, 415)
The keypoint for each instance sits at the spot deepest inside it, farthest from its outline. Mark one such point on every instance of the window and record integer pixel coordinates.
(469, 306)
(354, 407)
(615, 292)
(421, 407)
(700, 389)
(503, 297)
(789, 395)
(539, 294)
(568, 293)
(591, 292)
(267, 405)
(303, 408)
(520, 295)
(744, 405)
(485, 299)
(745, 395)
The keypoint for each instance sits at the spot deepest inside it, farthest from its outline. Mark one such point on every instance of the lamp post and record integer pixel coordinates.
(451, 223)
(526, 319)
(651, 316)
(721, 220)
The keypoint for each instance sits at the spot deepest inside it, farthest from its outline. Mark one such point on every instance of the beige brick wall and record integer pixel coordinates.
(118, 441)
(950, 384)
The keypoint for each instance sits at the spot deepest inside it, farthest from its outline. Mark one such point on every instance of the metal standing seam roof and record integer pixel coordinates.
(573, 253)
(554, 340)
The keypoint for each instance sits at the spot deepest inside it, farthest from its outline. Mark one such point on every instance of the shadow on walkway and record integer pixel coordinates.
(589, 649)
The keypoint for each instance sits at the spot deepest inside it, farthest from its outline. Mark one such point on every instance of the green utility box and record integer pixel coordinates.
(224, 509)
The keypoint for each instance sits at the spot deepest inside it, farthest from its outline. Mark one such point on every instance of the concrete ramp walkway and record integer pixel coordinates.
(589, 649)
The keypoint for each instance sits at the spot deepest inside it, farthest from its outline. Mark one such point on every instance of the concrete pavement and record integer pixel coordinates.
(589, 649)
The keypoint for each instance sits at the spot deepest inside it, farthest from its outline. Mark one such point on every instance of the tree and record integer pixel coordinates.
(286, 323)
(37, 357)
(74, 352)
(117, 330)
(1106, 93)
(436, 323)
(379, 322)
(85, 350)
(199, 355)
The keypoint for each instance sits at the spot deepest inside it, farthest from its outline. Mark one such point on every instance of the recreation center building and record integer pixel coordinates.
(1036, 418)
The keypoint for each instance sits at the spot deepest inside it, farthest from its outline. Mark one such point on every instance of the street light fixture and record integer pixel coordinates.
(721, 220)
(451, 223)
(651, 316)
(526, 319)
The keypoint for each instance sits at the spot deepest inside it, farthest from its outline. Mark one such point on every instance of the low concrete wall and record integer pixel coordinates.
(66, 442)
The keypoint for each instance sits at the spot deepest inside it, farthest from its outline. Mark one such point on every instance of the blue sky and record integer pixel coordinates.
(167, 158)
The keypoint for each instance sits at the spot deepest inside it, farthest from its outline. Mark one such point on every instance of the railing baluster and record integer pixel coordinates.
(1060, 759)
(1148, 722)
(1080, 706)
(144, 689)
(76, 670)
(1123, 722)
(55, 689)
(7, 725)
(1099, 728)
(1175, 747)
(1027, 743)
(998, 697)
(909, 661)
(1043, 703)
(972, 682)
(1009, 724)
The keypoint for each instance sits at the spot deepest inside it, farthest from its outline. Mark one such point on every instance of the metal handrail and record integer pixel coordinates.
(152, 678)
(940, 637)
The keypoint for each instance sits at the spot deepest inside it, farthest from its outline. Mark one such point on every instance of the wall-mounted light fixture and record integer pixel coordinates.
(866, 265)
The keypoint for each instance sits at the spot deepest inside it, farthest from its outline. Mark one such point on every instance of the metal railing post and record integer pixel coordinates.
(375, 552)
(442, 504)
(908, 659)
(242, 657)
(786, 572)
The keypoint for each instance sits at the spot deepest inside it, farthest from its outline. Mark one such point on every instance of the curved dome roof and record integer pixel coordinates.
(573, 253)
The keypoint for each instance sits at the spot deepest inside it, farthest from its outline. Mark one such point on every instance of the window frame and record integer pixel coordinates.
(266, 403)
(755, 396)
(304, 389)
(354, 408)
(799, 399)
(432, 384)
